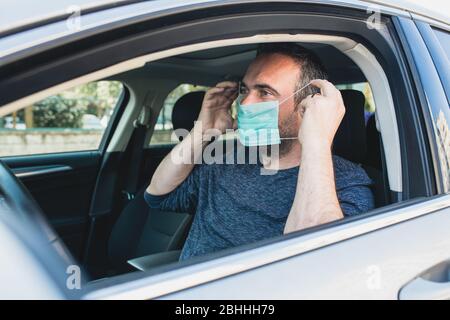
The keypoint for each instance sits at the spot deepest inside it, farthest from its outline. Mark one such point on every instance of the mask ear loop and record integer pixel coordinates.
(239, 87)
(304, 87)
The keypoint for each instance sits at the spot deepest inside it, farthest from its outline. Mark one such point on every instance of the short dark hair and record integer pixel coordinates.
(310, 65)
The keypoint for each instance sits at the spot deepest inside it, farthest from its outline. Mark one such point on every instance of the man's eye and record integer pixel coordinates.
(244, 90)
(265, 93)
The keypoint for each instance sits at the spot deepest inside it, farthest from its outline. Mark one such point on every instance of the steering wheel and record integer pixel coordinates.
(24, 207)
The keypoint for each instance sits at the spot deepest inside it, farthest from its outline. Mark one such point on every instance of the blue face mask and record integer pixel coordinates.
(258, 122)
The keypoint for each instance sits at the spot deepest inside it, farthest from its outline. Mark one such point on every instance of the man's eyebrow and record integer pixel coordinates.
(262, 86)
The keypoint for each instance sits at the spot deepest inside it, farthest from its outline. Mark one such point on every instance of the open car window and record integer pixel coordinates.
(72, 120)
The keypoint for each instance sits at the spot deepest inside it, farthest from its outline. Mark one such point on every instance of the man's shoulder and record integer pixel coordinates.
(348, 172)
(344, 165)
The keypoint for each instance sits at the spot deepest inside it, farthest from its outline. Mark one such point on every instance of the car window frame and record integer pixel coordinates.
(330, 228)
(439, 56)
(430, 89)
(407, 176)
(402, 211)
(118, 110)
(386, 216)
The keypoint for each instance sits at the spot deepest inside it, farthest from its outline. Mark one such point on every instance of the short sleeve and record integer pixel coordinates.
(353, 187)
(184, 198)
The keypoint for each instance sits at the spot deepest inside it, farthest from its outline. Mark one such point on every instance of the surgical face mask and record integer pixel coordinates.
(258, 122)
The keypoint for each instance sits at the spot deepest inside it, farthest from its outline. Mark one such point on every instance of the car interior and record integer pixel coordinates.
(126, 235)
(143, 238)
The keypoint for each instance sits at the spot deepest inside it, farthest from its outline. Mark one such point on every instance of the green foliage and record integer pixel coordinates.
(370, 104)
(98, 98)
(66, 110)
(57, 112)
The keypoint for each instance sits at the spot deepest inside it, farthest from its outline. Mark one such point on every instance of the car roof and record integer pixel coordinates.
(18, 15)
(230, 63)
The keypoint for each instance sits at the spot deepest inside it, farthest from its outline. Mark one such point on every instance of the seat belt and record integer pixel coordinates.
(136, 143)
(131, 182)
(137, 139)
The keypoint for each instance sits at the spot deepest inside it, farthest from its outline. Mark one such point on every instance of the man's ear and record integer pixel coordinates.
(299, 111)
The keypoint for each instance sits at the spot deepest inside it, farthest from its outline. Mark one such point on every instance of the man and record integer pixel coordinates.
(235, 204)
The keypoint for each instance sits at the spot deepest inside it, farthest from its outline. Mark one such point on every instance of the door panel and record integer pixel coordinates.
(55, 146)
(62, 184)
(375, 265)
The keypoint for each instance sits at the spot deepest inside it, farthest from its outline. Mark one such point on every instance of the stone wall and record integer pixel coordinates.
(35, 141)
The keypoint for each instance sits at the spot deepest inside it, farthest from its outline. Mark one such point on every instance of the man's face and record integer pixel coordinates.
(274, 77)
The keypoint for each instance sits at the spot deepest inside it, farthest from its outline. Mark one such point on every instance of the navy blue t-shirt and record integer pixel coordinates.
(234, 204)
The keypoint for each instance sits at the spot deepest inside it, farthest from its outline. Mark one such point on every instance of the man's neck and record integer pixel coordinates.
(287, 161)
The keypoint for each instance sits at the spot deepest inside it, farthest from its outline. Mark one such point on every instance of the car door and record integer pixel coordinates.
(403, 253)
(58, 150)
(374, 256)
(398, 252)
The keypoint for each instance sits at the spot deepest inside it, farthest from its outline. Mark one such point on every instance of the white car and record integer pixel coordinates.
(74, 225)
(90, 121)
(9, 124)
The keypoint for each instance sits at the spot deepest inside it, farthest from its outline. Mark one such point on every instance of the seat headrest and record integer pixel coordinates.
(350, 140)
(186, 110)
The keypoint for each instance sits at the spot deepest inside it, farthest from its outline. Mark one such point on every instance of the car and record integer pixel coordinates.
(90, 121)
(74, 224)
(9, 124)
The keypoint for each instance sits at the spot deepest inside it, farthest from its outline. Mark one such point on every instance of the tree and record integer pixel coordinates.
(66, 110)
(57, 112)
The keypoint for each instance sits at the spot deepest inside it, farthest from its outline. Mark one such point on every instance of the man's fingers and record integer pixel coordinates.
(326, 88)
(225, 84)
(213, 93)
(235, 126)
(230, 92)
(304, 103)
(229, 87)
(225, 87)
(215, 90)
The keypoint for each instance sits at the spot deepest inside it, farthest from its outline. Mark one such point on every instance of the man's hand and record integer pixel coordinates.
(215, 114)
(216, 107)
(316, 200)
(322, 114)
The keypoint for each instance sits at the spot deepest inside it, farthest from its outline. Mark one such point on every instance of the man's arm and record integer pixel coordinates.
(178, 164)
(170, 174)
(316, 200)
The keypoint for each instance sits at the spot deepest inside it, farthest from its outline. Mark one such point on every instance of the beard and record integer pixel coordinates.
(288, 128)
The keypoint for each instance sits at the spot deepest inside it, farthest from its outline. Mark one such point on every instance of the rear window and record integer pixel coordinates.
(444, 40)
(162, 134)
(364, 87)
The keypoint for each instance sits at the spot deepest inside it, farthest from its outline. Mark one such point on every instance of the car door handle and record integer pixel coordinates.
(433, 284)
(39, 170)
